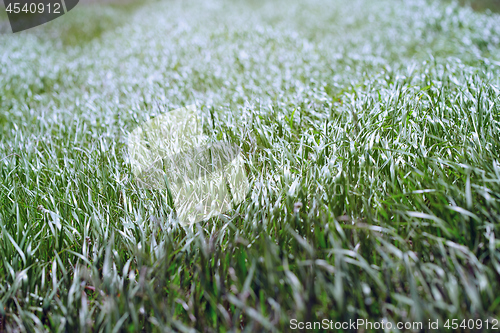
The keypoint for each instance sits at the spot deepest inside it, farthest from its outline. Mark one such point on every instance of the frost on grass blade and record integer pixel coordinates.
(171, 153)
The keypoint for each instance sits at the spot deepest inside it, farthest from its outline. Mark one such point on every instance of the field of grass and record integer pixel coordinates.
(371, 136)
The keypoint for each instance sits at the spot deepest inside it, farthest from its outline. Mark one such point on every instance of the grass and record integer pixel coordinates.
(371, 133)
(483, 5)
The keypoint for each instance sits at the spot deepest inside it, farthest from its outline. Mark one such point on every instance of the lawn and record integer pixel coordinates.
(370, 132)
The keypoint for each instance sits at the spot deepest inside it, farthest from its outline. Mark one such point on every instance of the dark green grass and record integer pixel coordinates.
(483, 5)
(371, 132)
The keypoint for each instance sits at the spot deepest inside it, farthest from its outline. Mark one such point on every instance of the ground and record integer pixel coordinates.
(371, 136)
